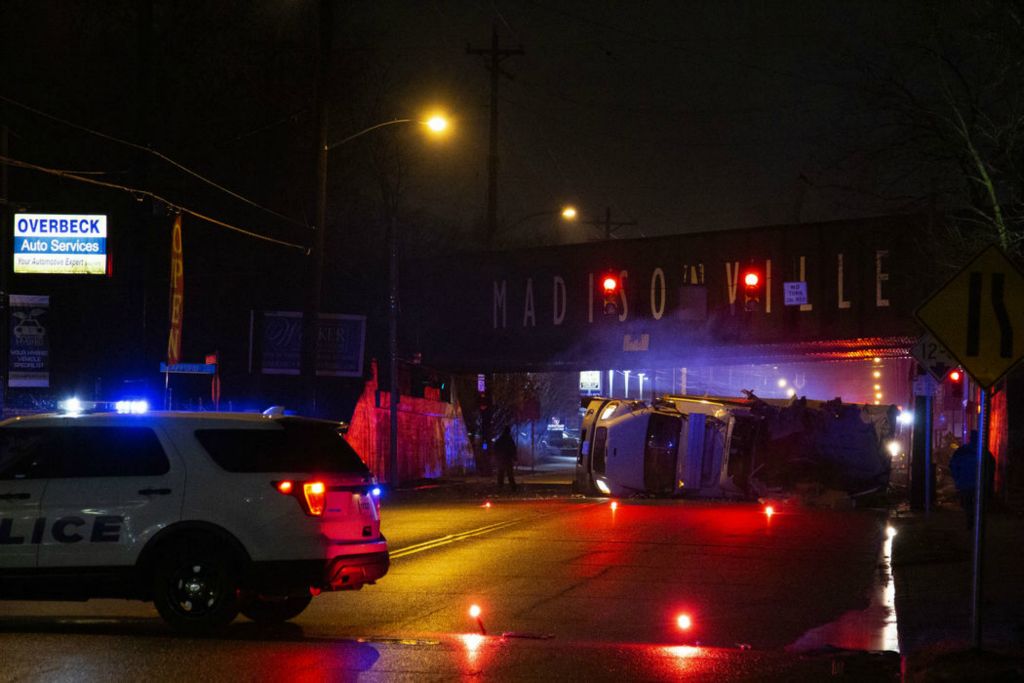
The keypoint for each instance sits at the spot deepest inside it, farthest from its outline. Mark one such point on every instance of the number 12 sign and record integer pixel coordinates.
(933, 357)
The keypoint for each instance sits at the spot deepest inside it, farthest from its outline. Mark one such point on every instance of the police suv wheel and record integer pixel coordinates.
(195, 586)
(275, 610)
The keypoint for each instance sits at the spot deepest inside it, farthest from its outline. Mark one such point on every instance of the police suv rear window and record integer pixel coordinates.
(299, 446)
(69, 452)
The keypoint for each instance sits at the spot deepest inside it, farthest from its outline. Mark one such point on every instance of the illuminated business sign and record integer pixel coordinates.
(60, 244)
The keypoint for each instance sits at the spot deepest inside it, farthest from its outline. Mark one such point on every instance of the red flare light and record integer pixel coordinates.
(475, 612)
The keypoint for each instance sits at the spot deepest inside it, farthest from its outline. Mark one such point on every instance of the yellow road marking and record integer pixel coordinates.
(451, 538)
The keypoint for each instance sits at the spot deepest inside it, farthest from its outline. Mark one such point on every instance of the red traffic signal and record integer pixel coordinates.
(751, 290)
(610, 286)
(954, 375)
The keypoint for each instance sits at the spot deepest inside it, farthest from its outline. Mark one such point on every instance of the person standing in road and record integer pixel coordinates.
(963, 465)
(505, 455)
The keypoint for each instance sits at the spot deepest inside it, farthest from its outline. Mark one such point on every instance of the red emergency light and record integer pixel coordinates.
(475, 613)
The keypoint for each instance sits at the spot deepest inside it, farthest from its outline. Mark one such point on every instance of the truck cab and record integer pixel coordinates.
(679, 446)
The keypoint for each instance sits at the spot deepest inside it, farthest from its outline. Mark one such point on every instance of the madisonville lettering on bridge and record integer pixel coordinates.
(651, 297)
(544, 307)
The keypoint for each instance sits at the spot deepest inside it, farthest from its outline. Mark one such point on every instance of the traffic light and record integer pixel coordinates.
(610, 287)
(955, 376)
(751, 290)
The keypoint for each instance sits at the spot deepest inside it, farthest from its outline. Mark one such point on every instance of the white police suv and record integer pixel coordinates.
(205, 514)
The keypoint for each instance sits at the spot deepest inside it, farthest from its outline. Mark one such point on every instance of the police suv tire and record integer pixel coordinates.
(195, 585)
(275, 610)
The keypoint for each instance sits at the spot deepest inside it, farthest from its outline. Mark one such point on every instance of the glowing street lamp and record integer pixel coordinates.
(567, 213)
(436, 124)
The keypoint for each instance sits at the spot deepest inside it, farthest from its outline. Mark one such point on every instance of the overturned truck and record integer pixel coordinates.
(732, 447)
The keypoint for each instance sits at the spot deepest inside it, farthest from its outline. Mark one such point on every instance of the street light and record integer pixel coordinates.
(436, 124)
(567, 213)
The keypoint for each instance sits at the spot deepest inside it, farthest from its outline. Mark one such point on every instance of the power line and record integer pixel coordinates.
(610, 226)
(146, 193)
(155, 153)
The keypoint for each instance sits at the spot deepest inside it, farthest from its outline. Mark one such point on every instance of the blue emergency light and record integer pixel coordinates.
(131, 407)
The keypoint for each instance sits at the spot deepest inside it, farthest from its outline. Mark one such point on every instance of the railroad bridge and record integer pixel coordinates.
(681, 300)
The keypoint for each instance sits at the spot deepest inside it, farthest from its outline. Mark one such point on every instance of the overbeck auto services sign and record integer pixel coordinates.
(68, 244)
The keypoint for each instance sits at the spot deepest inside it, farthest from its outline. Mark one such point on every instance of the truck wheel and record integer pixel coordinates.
(275, 610)
(195, 586)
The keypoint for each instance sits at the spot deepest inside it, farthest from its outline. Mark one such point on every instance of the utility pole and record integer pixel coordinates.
(393, 385)
(5, 232)
(311, 319)
(147, 254)
(610, 226)
(497, 56)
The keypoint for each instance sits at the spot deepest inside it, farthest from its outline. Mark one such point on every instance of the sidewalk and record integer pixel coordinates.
(546, 480)
(932, 557)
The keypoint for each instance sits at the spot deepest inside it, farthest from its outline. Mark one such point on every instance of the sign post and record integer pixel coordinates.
(211, 359)
(937, 361)
(925, 388)
(979, 519)
(973, 316)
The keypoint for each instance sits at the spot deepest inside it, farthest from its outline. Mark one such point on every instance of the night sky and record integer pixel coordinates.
(680, 116)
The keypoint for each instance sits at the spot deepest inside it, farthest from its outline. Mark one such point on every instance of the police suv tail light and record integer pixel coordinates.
(314, 493)
(311, 495)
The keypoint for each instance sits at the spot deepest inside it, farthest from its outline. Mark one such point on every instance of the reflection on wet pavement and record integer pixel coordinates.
(872, 629)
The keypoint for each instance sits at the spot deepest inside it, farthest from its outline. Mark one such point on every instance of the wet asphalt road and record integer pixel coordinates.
(580, 592)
